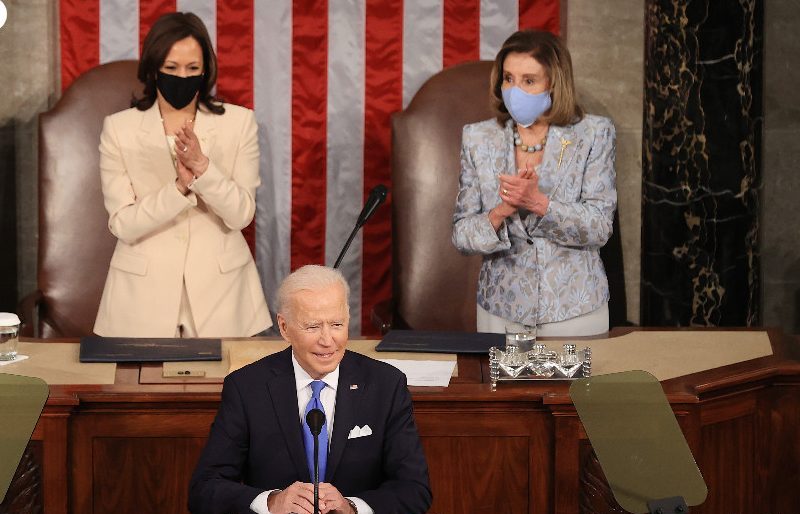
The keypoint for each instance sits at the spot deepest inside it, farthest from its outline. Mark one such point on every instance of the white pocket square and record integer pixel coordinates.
(360, 432)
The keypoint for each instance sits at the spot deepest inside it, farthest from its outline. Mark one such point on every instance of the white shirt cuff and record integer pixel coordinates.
(259, 503)
(361, 505)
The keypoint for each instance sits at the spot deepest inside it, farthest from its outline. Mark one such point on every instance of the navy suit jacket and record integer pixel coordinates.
(256, 442)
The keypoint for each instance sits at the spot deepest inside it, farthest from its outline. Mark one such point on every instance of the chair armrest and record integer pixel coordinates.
(29, 313)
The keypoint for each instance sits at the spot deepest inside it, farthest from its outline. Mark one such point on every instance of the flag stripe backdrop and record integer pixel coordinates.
(323, 77)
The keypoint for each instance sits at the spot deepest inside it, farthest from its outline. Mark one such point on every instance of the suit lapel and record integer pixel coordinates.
(348, 401)
(562, 145)
(205, 127)
(510, 167)
(283, 391)
(153, 142)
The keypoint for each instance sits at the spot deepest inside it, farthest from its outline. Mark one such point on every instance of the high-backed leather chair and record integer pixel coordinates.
(75, 244)
(434, 286)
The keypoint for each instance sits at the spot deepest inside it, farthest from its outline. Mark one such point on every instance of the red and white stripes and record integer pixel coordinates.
(323, 77)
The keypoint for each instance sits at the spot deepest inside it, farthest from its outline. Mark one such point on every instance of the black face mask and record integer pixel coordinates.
(178, 91)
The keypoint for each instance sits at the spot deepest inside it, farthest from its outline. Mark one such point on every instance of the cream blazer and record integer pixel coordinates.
(165, 238)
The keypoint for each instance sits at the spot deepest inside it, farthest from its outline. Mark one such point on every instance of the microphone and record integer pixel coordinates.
(315, 419)
(376, 197)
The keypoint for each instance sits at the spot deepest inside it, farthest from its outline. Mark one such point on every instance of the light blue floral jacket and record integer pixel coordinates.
(543, 268)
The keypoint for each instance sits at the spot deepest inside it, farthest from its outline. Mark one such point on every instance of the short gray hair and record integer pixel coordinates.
(311, 277)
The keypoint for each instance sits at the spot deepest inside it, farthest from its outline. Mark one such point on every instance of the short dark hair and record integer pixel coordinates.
(165, 32)
(551, 52)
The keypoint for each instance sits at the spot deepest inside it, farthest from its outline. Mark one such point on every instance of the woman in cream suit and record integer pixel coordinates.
(179, 173)
(537, 196)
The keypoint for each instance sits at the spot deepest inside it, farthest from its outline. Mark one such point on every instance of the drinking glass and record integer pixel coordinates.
(9, 336)
(522, 338)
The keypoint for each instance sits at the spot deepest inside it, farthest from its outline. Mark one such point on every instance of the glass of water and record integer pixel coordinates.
(521, 337)
(9, 336)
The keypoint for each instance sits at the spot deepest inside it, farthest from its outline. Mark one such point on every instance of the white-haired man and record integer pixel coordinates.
(257, 458)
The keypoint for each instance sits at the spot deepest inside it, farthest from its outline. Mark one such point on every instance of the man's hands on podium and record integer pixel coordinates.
(298, 498)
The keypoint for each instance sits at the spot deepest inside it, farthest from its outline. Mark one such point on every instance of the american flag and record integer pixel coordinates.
(323, 77)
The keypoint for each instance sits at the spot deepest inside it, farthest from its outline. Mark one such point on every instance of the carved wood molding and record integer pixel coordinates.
(24, 495)
(595, 494)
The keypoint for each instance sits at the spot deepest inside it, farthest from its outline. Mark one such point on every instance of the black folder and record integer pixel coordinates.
(148, 349)
(439, 341)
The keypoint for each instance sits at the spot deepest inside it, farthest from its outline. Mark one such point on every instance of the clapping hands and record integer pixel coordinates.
(187, 147)
(521, 191)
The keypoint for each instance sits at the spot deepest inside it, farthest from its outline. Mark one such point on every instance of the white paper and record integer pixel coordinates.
(425, 373)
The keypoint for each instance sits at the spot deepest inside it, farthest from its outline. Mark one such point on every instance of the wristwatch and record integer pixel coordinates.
(353, 505)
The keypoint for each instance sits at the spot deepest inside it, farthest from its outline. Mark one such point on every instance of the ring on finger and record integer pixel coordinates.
(505, 191)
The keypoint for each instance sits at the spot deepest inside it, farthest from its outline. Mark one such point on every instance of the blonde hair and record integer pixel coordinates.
(549, 50)
(311, 277)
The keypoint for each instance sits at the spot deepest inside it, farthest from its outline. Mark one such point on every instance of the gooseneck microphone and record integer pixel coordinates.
(376, 197)
(315, 419)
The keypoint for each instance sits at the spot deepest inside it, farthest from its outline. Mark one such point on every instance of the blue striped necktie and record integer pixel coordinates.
(308, 439)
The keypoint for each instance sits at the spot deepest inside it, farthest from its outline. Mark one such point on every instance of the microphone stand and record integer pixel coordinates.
(346, 245)
(376, 197)
(316, 473)
(315, 419)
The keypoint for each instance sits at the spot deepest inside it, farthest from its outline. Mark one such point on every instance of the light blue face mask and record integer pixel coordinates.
(524, 107)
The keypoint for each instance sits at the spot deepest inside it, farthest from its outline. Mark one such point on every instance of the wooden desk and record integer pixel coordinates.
(129, 447)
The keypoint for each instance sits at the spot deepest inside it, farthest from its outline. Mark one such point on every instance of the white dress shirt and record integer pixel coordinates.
(328, 398)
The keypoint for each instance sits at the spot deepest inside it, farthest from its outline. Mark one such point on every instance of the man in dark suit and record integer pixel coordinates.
(258, 453)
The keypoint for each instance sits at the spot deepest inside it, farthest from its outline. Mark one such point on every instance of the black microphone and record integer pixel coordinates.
(315, 419)
(376, 197)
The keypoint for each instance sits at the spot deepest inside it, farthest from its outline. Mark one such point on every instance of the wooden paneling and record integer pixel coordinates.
(50, 440)
(483, 475)
(487, 458)
(135, 461)
(727, 462)
(128, 474)
(777, 455)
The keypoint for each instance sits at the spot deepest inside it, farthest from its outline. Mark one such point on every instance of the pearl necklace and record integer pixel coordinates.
(526, 148)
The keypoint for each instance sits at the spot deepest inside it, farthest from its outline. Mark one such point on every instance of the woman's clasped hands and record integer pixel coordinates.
(192, 162)
(521, 191)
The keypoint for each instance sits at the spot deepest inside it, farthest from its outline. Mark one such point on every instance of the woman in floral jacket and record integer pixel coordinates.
(537, 196)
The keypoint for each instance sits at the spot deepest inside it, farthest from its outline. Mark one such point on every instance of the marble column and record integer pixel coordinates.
(701, 163)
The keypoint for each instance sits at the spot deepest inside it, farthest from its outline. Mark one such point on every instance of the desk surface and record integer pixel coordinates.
(686, 361)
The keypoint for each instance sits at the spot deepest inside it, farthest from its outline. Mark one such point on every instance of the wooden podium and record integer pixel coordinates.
(131, 446)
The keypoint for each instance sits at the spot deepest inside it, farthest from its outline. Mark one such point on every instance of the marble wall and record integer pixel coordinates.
(780, 230)
(606, 40)
(702, 163)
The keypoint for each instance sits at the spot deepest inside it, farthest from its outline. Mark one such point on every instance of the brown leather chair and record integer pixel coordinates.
(435, 287)
(75, 244)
